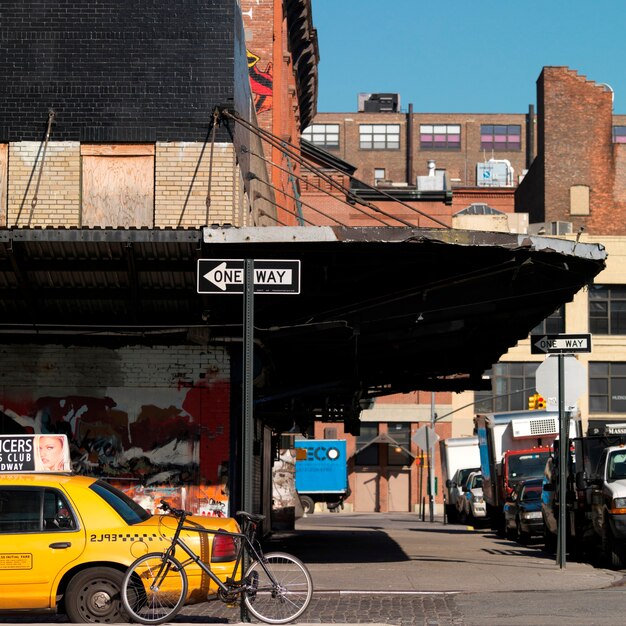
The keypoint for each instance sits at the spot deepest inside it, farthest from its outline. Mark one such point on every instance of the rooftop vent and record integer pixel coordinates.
(379, 102)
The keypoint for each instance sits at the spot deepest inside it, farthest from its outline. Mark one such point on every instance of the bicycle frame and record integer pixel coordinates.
(245, 548)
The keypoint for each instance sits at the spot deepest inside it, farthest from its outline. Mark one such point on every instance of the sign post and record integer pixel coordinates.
(567, 393)
(248, 277)
(426, 438)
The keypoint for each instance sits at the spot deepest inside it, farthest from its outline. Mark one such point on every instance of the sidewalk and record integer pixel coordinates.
(351, 552)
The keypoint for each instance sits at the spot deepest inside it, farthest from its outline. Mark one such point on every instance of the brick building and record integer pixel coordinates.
(112, 162)
(130, 145)
(574, 188)
(393, 147)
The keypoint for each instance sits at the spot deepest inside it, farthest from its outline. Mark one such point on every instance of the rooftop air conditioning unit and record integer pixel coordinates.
(494, 173)
(379, 102)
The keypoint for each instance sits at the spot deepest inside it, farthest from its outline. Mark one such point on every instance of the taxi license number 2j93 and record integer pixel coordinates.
(104, 537)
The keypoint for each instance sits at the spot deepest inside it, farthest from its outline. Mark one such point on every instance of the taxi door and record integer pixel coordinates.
(39, 536)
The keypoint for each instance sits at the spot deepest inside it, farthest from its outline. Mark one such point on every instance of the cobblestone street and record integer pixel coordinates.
(400, 609)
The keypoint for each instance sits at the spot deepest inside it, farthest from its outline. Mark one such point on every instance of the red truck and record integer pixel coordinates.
(513, 446)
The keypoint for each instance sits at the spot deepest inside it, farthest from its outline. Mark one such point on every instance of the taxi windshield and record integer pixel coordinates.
(124, 506)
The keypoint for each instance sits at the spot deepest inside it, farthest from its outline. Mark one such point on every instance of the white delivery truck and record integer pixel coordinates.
(460, 457)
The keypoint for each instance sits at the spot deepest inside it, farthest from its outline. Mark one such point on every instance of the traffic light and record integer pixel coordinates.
(536, 402)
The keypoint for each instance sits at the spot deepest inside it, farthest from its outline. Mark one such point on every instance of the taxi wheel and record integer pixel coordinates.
(93, 596)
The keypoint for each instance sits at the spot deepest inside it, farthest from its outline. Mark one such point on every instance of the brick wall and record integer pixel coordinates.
(114, 70)
(182, 184)
(58, 195)
(575, 119)
(122, 417)
(460, 164)
(181, 180)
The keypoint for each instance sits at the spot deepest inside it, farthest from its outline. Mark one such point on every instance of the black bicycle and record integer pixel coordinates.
(276, 587)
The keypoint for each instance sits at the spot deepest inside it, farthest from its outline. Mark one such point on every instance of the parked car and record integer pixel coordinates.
(471, 504)
(66, 541)
(455, 491)
(522, 511)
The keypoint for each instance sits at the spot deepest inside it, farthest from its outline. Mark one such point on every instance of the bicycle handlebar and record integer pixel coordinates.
(167, 508)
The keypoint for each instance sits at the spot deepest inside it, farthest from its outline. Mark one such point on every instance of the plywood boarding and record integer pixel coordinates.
(118, 188)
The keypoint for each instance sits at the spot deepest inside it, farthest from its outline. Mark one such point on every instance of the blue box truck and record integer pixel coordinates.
(321, 472)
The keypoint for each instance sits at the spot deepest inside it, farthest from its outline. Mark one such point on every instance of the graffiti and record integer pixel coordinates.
(261, 83)
(176, 448)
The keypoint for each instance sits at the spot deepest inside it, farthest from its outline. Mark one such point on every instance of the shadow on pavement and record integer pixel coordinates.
(338, 546)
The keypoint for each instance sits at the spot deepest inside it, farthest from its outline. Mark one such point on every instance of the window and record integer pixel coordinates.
(379, 174)
(379, 136)
(607, 309)
(440, 136)
(369, 454)
(124, 506)
(553, 324)
(400, 432)
(607, 387)
(513, 383)
(324, 135)
(619, 134)
(32, 509)
(500, 137)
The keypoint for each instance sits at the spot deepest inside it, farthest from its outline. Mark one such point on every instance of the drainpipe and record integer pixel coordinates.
(530, 136)
(409, 146)
(277, 100)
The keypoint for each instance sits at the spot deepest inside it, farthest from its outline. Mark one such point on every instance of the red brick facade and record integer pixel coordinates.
(575, 148)
(460, 164)
(271, 66)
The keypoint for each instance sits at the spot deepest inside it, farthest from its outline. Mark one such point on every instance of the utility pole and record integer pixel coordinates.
(431, 461)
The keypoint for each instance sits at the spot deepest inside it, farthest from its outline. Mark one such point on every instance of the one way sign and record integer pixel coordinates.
(560, 344)
(227, 276)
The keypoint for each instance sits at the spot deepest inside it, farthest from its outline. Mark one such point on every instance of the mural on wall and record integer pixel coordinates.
(152, 442)
(261, 83)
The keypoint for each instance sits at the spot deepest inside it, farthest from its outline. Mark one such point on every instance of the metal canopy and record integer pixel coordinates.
(381, 310)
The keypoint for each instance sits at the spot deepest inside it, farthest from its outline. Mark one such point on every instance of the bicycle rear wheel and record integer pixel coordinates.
(154, 590)
(282, 588)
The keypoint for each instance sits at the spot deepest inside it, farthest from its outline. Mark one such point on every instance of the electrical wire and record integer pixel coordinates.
(258, 194)
(330, 217)
(279, 144)
(303, 179)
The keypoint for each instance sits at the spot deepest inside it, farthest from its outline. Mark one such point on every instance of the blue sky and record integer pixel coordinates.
(464, 56)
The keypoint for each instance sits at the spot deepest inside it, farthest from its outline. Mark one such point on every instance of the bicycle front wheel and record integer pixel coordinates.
(154, 588)
(280, 588)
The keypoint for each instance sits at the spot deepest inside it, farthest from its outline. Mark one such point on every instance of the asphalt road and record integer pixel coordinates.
(396, 569)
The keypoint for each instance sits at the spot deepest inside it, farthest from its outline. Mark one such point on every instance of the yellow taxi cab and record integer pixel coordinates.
(66, 541)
